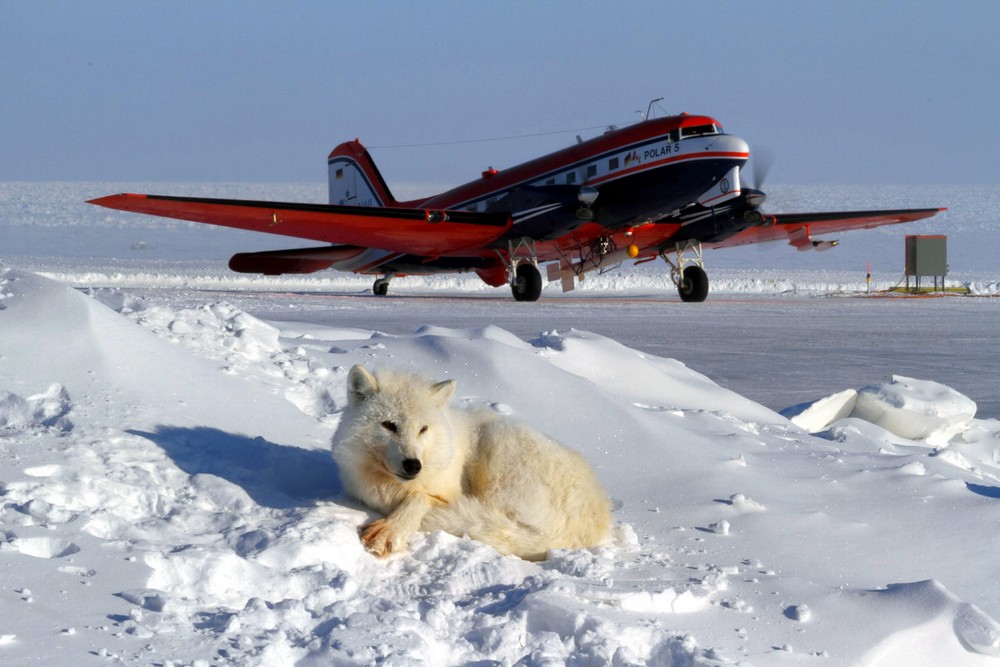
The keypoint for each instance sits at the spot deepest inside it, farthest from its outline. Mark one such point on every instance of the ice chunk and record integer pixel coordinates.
(920, 410)
(816, 416)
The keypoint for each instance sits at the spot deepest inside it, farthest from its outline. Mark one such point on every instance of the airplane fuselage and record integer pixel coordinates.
(624, 178)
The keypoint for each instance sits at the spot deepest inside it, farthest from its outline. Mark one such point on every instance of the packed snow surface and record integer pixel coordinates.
(167, 496)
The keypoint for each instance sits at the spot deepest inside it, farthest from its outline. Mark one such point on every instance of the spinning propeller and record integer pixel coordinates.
(759, 167)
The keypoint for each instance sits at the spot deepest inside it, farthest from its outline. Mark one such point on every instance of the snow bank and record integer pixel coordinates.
(186, 509)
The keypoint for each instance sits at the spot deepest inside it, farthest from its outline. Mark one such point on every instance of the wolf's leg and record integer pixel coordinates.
(383, 536)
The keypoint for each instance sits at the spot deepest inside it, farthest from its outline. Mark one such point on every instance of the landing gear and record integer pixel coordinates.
(693, 285)
(688, 273)
(526, 284)
(381, 286)
(521, 262)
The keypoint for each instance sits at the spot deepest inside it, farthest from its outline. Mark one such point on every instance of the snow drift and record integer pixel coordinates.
(167, 496)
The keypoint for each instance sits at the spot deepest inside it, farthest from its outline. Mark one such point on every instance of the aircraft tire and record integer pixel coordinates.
(527, 285)
(693, 287)
(381, 287)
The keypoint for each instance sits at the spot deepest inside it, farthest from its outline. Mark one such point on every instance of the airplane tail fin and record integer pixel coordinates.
(354, 178)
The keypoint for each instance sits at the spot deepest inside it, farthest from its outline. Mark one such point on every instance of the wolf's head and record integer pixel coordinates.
(402, 420)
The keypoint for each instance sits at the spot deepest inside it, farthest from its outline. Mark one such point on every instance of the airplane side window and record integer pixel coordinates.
(613, 163)
(591, 171)
(571, 178)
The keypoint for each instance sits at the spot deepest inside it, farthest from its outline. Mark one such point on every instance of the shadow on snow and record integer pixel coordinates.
(276, 476)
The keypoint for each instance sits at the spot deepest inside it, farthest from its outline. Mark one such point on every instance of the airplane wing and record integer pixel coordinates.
(430, 233)
(798, 228)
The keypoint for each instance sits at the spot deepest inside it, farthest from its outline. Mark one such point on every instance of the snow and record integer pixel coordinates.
(167, 494)
(918, 410)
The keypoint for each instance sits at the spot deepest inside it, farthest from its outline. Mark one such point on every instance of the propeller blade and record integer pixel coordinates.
(761, 160)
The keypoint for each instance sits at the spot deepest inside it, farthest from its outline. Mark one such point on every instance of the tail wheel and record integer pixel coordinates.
(381, 287)
(527, 283)
(693, 286)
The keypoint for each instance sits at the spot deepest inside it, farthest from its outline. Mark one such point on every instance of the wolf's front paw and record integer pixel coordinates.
(378, 537)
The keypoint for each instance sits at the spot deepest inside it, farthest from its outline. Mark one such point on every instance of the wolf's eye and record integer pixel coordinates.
(423, 429)
(390, 426)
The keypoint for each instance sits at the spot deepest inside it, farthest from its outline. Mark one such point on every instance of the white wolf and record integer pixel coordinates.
(404, 452)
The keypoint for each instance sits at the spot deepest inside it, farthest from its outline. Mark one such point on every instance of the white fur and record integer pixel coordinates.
(480, 474)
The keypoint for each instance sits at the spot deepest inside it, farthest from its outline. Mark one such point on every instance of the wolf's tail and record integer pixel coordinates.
(354, 178)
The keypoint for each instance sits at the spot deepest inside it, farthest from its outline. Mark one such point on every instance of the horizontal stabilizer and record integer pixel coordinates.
(300, 260)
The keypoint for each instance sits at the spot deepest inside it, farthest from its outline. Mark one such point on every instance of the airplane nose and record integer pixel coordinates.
(733, 144)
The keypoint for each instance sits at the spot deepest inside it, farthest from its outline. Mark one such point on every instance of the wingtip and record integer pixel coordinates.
(109, 201)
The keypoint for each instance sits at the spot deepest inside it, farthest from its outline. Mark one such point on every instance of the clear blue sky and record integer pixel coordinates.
(839, 92)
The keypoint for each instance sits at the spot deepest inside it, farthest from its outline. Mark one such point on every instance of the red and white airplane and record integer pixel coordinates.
(665, 187)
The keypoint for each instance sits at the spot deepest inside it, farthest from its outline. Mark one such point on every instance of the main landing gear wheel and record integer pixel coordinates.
(381, 287)
(527, 283)
(693, 286)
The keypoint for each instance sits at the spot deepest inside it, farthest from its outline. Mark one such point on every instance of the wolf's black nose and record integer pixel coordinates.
(411, 467)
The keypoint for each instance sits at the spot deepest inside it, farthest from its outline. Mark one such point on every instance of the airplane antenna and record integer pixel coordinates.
(486, 140)
(650, 107)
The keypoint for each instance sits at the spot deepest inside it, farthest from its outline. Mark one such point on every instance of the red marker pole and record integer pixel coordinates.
(868, 278)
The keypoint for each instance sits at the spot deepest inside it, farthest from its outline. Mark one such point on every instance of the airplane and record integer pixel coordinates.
(665, 187)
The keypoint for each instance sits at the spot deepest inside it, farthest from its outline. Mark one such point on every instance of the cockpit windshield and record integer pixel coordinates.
(699, 131)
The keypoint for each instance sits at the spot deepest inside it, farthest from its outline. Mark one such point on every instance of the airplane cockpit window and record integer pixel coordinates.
(698, 130)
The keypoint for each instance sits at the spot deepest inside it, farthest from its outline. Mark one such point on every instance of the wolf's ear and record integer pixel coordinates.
(443, 391)
(360, 384)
